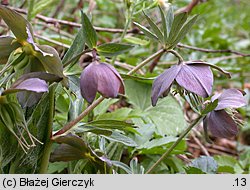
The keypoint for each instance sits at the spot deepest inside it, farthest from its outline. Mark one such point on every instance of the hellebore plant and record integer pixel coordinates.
(219, 122)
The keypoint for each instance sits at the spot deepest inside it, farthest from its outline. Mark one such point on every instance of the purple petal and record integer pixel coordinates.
(196, 78)
(230, 98)
(163, 83)
(108, 82)
(89, 82)
(121, 90)
(221, 124)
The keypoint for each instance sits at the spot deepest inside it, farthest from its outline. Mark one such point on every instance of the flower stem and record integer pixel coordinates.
(146, 61)
(176, 54)
(72, 123)
(167, 153)
(48, 143)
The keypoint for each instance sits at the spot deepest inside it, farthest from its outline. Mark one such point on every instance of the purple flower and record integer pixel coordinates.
(194, 77)
(219, 122)
(102, 78)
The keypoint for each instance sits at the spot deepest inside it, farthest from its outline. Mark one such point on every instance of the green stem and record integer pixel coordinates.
(146, 61)
(72, 123)
(48, 142)
(176, 54)
(167, 153)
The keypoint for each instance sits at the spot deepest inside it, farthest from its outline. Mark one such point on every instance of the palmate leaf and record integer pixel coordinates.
(76, 47)
(155, 28)
(88, 31)
(169, 19)
(146, 31)
(184, 30)
(178, 22)
(20, 27)
(113, 49)
(164, 24)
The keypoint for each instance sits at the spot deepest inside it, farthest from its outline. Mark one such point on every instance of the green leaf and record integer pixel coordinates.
(89, 32)
(138, 93)
(20, 27)
(8, 146)
(121, 114)
(51, 61)
(210, 107)
(137, 41)
(206, 164)
(7, 45)
(155, 28)
(74, 85)
(76, 47)
(75, 109)
(178, 22)
(169, 19)
(108, 134)
(57, 167)
(164, 24)
(110, 124)
(159, 146)
(228, 164)
(113, 49)
(118, 137)
(146, 31)
(103, 106)
(169, 112)
(184, 30)
(122, 166)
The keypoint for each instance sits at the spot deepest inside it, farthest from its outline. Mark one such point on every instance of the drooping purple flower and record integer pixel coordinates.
(219, 122)
(194, 77)
(102, 78)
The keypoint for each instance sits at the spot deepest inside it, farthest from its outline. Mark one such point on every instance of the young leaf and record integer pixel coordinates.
(137, 41)
(178, 22)
(164, 24)
(146, 31)
(20, 27)
(184, 30)
(169, 19)
(76, 47)
(210, 107)
(113, 49)
(155, 28)
(89, 32)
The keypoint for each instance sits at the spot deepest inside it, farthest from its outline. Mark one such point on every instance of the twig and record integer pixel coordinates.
(212, 50)
(189, 7)
(51, 41)
(74, 24)
(198, 142)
